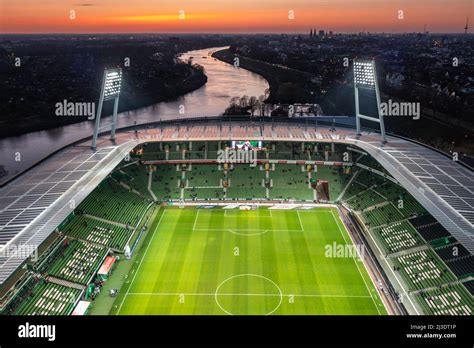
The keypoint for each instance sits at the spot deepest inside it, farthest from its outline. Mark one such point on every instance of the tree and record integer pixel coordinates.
(244, 101)
(267, 93)
(238, 106)
(261, 102)
(199, 67)
(234, 101)
(253, 104)
(267, 109)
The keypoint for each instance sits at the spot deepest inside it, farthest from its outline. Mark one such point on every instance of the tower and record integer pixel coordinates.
(365, 77)
(466, 28)
(111, 85)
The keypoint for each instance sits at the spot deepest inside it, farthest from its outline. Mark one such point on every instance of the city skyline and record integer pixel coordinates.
(214, 16)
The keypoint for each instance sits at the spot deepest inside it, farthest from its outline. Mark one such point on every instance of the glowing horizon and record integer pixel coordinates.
(225, 16)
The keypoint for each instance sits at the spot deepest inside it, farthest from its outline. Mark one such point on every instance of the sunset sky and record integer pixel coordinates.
(232, 16)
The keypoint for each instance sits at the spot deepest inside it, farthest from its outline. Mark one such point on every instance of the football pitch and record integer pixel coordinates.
(257, 262)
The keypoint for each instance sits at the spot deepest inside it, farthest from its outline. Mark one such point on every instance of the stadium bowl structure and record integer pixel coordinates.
(440, 193)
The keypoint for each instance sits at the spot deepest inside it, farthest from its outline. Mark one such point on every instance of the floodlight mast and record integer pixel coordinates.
(365, 76)
(111, 86)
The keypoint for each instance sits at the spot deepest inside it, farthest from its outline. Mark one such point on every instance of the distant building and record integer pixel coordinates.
(306, 110)
(297, 110)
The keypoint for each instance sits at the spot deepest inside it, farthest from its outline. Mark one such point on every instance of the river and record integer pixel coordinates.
(224, 82)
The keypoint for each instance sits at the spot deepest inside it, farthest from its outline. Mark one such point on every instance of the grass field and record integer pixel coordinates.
(215, 261)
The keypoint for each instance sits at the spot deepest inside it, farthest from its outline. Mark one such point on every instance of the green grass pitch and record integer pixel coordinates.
(216, 261)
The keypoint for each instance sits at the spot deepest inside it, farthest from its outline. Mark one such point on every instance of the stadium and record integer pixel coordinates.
(315, 218)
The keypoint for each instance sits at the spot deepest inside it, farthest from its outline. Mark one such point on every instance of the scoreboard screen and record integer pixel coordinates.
(247, 145)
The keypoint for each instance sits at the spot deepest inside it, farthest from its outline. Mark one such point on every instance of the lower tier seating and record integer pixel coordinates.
(423, 269)
(450, 300)
(79, 262)
(49, 299)
(99, 232)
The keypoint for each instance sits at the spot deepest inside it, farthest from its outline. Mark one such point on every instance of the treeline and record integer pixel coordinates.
(286, 86)
(71, 69)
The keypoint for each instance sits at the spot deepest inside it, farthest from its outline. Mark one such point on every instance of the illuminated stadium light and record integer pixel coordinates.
(364, 74)
(113, 83)
(111, 86)
(365, 77)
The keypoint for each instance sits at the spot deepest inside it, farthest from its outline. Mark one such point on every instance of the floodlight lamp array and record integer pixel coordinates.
(364, 74)
(113, 83)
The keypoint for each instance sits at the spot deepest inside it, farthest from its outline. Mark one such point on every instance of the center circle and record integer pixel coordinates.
(248, 294)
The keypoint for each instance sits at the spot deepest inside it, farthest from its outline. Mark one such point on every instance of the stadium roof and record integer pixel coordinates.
(36, 202)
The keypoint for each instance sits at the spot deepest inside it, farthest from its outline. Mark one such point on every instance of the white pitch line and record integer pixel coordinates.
(313, 210)
(248, 217)
(195, 220)
(257, 232)
(299, 219)
(143, 257)
(391, 270)
(353, 259)
(243, 230)
(242, 294)
(236, 214)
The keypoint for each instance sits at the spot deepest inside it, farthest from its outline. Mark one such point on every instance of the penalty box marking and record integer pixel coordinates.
(237, 230)
(226, 211)
(315, 210)
(298, 211)
(242, 231)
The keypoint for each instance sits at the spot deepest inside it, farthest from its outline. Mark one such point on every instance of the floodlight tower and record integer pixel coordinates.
(111, 85)
(365, 77)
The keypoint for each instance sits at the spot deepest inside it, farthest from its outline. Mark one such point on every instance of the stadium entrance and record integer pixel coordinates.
(322, 190)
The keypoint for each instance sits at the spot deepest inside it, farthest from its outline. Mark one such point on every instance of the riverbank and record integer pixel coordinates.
(223, 82)
(280, 79)
(194, 80)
